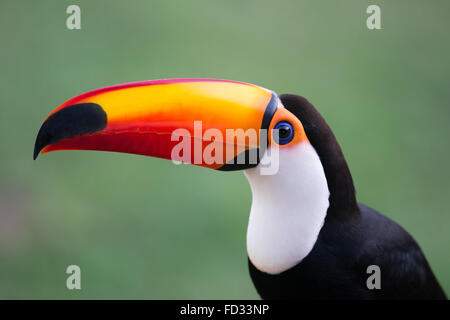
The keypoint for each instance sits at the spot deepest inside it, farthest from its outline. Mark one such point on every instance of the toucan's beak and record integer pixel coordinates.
(159, 118)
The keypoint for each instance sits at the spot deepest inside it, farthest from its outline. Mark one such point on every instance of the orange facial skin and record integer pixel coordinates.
(283, 114)
(142, 116)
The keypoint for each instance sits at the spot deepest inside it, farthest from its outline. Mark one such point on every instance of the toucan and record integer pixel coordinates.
(307, 236)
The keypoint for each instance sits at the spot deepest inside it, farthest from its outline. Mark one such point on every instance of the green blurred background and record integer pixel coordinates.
(144, 228)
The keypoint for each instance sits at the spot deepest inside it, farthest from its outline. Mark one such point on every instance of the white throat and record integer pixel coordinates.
(288, 209)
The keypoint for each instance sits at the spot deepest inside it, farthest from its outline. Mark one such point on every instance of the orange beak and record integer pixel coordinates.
(211, 123)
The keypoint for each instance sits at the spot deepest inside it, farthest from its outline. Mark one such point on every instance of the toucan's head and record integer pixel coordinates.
(291, 159)
(219, 124)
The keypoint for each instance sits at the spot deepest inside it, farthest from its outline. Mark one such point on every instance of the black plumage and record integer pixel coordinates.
(352, 238)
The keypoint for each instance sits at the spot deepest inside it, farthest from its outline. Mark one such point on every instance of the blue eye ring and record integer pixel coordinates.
(285, 132)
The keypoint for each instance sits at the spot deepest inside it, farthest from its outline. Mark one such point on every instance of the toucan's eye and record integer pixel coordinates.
(285, 132)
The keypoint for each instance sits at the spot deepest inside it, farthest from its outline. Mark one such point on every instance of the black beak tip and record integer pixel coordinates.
(42, 140)
(36, 152)
(74, 120)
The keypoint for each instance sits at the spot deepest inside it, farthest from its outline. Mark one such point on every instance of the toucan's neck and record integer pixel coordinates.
(343, 203)
(288, 209)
